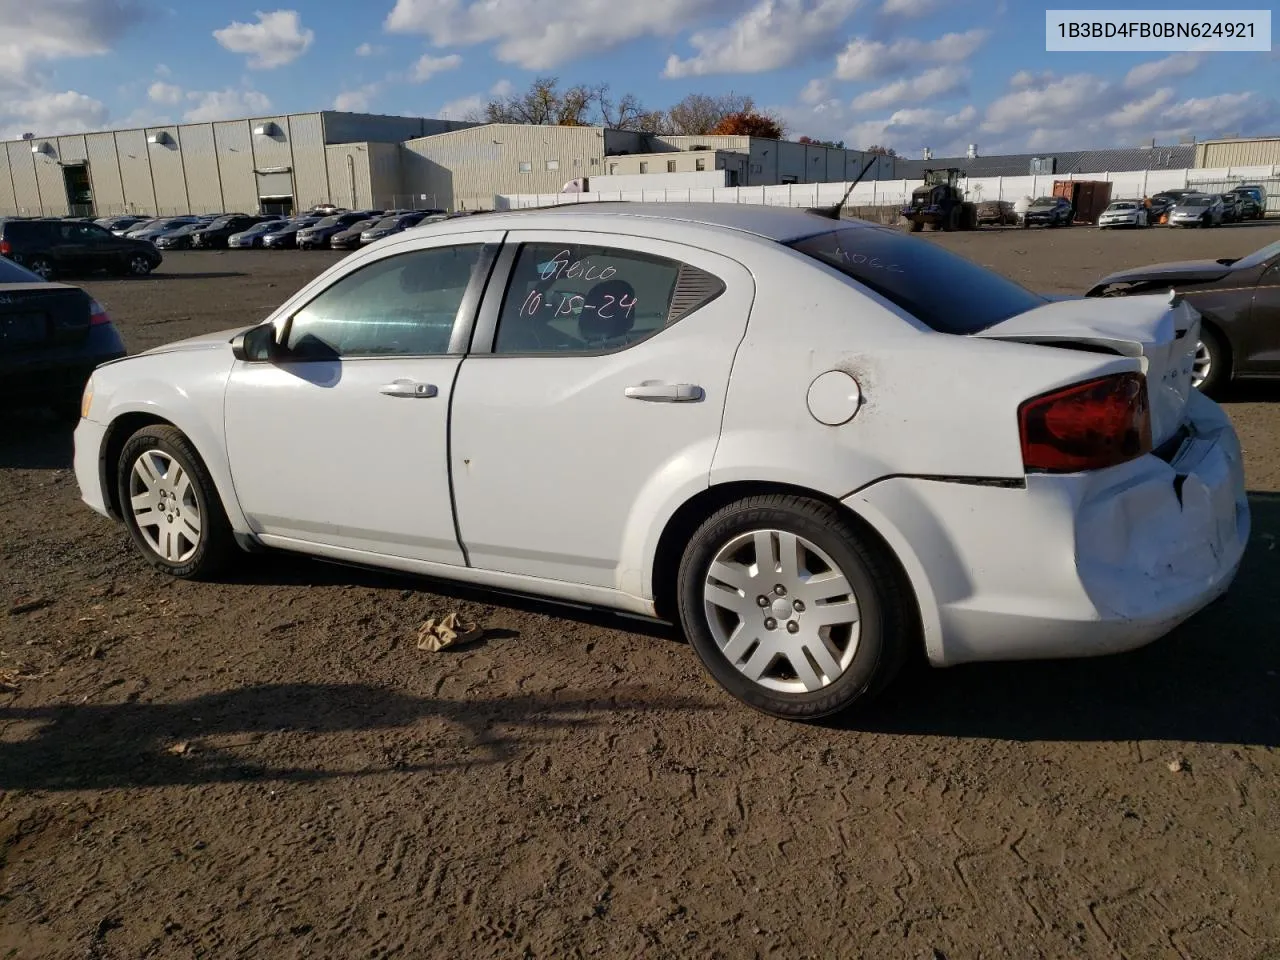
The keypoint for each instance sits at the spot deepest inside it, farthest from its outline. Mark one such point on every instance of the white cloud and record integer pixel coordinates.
(369, 50)
(908, 8)
(1166, 68)
(38, 30)
(276, 39)
(909, 130)
(937, 82)
(428, 66)
(461, 108)
(815, 91)
(503, 88)
(866, 59)
(226, 104)
(1138, 114)
(770, 35)
(162, 70)
(160, 92)
(50, 113)
(541, 34)
(1047, 100)
(356, 101)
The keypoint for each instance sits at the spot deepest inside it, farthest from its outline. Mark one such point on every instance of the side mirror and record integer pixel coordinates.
(256, 345)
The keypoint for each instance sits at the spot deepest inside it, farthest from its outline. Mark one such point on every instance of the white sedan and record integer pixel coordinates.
(1123, 213)
(816, 445)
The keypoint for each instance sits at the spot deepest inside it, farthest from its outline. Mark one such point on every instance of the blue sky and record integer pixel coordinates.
(904, 73)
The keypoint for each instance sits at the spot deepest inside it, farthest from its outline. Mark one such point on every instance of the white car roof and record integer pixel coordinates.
(771, 222)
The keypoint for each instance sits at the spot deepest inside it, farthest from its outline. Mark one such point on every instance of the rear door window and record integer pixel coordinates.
(939, 288)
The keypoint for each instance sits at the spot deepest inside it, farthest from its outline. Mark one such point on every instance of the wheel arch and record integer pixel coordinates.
(690, 515)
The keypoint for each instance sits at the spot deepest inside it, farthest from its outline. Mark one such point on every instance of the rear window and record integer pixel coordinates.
(943, 290)
(10, 272)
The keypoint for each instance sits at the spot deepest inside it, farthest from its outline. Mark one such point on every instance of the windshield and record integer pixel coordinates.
(1258, 256)
(941, 289)
(329, 222)
(1122, 206)
(10, 272)
(1044, 202)
(386, 222)
(1195, 202)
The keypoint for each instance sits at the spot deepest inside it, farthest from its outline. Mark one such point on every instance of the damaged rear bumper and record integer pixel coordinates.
(1070, 565)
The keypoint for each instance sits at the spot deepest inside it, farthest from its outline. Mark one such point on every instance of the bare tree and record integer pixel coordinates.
(700, 113)
(544, 103)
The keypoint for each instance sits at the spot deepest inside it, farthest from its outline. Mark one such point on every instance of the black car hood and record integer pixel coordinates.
(1187, 271)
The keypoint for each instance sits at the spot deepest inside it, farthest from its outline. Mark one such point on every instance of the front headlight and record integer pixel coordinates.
(86, 398)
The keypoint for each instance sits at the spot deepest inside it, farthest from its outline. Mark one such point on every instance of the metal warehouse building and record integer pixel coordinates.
(1238, 152)
(274, 164)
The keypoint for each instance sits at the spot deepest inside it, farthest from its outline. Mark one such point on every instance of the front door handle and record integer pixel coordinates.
(660, 392)
(409, 388)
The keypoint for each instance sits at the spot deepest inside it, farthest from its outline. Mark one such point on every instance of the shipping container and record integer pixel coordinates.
(1088, 198)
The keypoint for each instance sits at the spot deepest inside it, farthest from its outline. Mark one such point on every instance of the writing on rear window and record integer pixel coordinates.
(562, 265)
(862, 259)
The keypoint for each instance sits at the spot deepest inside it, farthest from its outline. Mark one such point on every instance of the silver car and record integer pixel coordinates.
(1197, 210)
(1123, 213)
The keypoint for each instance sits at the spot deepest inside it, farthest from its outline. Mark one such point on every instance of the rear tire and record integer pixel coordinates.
(1213, 361)
(915, 226)
(170, 505)
(798, 661)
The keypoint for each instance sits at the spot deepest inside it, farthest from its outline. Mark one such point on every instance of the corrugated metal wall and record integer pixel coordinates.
(135, 170)
(53, 190)
(275, 150)
(8, 203)
(475, 164)
(1238, 153)
(168, 173)
(235, 165)
(310, 169)
(22, 169)
(366, 127)
(72, 149)
(349, 175)
(104, 172)
(386, 177)
(200, 164)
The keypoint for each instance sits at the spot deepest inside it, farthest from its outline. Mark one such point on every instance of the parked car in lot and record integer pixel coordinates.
(1123, 213)
(1230, 207)
(1197, 210)
(318, 235)
(215, 234)
(252, 237)
(1048, 212)
(285, 236)
(394, 224)
(121, 225)
(1253, 201)
(52, 335)
(997, 213)
(349, 238)
(617, 405)
(52, 248)
(1239, 303)
(179, 238)
(153, 228)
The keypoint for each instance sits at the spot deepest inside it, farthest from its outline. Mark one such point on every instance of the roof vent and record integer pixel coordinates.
(161, 137)
(267, 129)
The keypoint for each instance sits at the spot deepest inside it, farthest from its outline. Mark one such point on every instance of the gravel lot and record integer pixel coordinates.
(268, 767)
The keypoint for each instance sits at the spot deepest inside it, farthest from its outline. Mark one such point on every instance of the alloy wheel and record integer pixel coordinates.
(139, 265)
(1202, 365)
(164, 506)
(781, 611)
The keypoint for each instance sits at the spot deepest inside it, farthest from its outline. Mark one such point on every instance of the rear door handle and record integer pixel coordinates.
(659, 392)
(409, 388)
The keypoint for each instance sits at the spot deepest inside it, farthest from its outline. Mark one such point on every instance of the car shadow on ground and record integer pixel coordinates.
(250, 733)
(169, 275)
(34, 439)
(1216, 679)
(1250, 391)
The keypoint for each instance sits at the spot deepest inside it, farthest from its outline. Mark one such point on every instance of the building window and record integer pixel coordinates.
(757, 168)
(644, 166)
(613, 168)
(671, 166)
(700, 164)
(553, 164)
(526, 166)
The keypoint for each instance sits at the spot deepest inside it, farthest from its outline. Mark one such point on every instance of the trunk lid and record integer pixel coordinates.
(39, 315)
(1162, 331)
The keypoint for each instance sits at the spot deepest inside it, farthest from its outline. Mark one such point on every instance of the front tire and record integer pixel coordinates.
(171, 506)
(1211, 368)
(42, 267)
(791, 608)
(138, 265)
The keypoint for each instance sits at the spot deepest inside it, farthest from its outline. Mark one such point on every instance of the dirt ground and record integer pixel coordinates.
(268, 767)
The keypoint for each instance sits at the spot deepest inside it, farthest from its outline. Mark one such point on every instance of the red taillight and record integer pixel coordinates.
(1086, 426)
(6, 248)
(97, 314)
